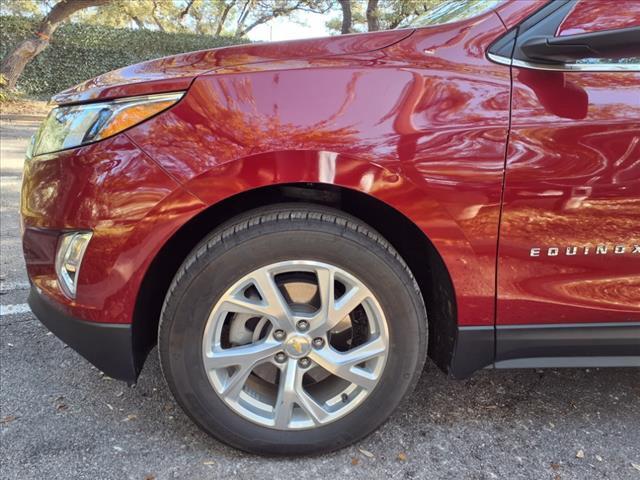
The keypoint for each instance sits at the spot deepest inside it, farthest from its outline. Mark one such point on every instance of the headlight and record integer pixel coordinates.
(76, 125)
(71, 248)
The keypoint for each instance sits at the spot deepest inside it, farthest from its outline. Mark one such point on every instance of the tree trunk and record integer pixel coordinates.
(242, 18)
(184, 12)
(155, 19)
(15, 61)
(373, 22)
(223, 18)
(346, 16)
(136, 20)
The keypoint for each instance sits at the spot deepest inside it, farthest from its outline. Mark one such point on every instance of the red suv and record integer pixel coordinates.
(297, 225)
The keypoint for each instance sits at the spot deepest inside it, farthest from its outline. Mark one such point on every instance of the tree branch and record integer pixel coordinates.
(185, 12)
(242, 18)
(14, 62)
(155, 19)
(223, 18)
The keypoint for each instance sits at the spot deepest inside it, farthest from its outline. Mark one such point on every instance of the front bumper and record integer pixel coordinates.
(132, 207)
(108, 346)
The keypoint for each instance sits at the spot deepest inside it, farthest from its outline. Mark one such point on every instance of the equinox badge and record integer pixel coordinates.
(584, 250)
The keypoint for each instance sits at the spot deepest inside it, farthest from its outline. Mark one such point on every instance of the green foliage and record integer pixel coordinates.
(8, 96)
(78, 51)
(4, 96)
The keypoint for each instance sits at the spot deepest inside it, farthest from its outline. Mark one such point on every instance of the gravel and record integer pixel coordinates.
(60, 418)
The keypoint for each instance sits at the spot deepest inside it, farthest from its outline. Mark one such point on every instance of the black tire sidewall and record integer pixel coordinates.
(214, 270)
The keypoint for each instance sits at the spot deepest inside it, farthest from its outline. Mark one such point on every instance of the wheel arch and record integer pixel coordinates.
(406, 237)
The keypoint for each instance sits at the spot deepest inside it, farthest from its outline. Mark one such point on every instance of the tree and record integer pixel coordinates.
(382, 15)
(347, 19)
(14, 62)
(373, 22)
(206, 17)
(162, 15)
(256, 12)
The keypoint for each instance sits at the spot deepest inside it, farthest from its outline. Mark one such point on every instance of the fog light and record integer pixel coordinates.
(71, 248)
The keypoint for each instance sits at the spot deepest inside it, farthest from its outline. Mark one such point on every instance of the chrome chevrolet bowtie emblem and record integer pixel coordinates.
(572, 250)
(297, 346)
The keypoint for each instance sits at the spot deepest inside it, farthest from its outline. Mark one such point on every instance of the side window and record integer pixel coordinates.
(590, 16)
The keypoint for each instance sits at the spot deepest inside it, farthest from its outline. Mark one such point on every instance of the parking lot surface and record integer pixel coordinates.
(60, 418)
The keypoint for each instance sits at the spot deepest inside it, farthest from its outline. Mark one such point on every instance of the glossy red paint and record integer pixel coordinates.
(420, 125)
(596, 15)
(573, 180)
(417, 119)
(130, 204)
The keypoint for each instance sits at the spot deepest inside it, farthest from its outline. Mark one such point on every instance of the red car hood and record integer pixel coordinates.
(176, 72)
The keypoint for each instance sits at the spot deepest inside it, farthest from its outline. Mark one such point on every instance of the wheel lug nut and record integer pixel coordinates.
(318, 342)
(304, 362)
(303, 325)
(279, 334)
(280, 357)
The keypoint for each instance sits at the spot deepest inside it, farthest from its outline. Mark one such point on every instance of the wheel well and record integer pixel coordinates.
(412, 244)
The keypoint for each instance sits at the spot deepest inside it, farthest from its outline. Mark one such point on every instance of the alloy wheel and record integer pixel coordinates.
(295, 344)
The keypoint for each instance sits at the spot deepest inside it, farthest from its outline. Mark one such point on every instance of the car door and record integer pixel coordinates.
(569, 249)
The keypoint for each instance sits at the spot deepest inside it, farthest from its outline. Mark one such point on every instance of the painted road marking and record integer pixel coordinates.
(11, 286)
(14, 309)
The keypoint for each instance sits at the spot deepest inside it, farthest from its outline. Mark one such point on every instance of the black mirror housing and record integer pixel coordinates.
(607, 44)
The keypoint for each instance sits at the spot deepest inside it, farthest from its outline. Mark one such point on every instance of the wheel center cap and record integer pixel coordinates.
(297, 346)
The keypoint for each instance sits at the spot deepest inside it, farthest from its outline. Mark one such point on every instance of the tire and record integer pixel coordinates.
(270, 238)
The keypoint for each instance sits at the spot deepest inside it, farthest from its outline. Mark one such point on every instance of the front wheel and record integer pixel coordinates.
(292, 329)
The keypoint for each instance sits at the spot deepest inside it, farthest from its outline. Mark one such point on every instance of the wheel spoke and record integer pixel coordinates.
(326, 283)
(344, 365)
(291, 393)
(367, 351)
(286, 395)
(272, 305)
(333, 310)
(234, 385)
(311, 407)
(238, 304)
(245, 356)
(347, 304)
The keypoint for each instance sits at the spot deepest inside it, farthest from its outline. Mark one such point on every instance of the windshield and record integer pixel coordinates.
(448, 11)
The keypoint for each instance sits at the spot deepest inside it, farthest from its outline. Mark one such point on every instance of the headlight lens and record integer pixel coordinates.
(76, 125)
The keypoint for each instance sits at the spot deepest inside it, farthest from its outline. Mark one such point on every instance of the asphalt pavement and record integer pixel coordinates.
(60, 418)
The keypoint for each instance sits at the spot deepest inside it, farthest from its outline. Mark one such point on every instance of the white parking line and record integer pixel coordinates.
(14, 309)
(11, 286)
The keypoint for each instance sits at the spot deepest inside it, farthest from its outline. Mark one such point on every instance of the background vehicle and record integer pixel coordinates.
(299, 223)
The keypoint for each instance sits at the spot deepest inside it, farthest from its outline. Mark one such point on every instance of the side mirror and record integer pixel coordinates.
(621, 43)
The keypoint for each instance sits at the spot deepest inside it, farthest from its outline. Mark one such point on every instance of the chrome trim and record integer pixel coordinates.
(177, 95)
(568, 67)
(499, 59)
(154, 97)
(68, 285)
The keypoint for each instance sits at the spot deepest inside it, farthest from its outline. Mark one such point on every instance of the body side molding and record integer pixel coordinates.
(578, 345)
